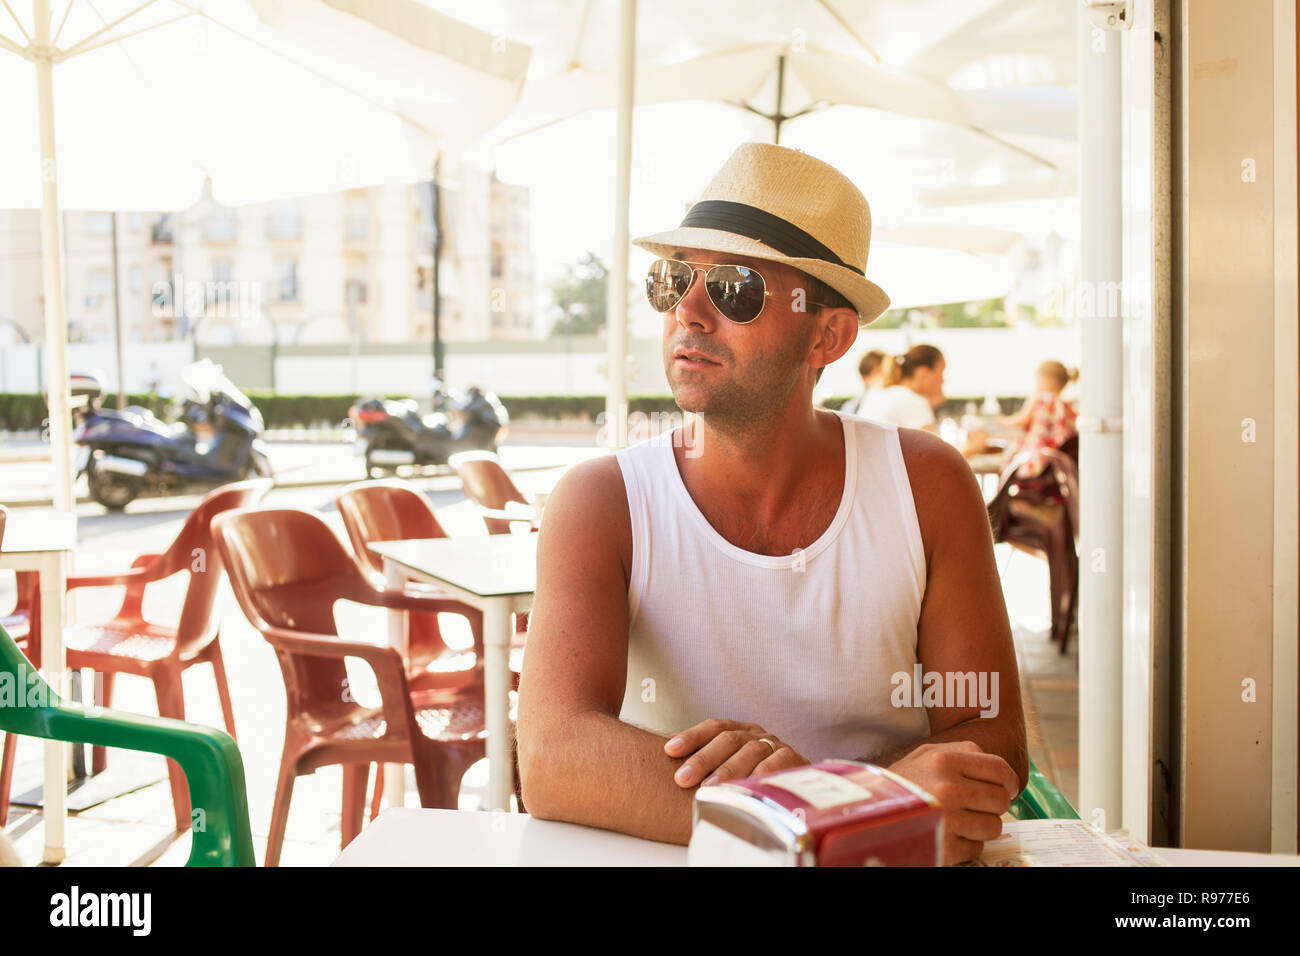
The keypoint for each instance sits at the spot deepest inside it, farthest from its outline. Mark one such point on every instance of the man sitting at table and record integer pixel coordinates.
(747, 593)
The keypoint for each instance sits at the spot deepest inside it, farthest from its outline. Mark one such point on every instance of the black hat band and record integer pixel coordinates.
(771, 230)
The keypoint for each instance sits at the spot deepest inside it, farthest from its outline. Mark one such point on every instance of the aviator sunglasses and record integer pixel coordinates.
(737, 292)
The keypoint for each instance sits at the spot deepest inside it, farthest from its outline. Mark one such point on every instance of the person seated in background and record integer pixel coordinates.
(1047, 419)
(872, 369)
(912, 390)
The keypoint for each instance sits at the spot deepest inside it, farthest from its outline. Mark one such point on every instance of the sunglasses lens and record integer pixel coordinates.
(736, 292)
(666, 283)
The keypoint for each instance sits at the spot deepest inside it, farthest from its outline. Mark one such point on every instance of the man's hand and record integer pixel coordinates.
(720, 750)
(974, 787)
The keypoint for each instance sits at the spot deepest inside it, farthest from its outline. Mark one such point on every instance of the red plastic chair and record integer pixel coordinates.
(394, 511)
(129, 644)
(288, 569)
(1042, 517)
(490, 487)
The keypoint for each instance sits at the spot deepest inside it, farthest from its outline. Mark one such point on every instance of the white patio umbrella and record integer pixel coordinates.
(267, 98)
(999, 70)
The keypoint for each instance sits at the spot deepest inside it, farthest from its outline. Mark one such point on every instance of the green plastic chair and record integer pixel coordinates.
(1041, 800)
(211, 761)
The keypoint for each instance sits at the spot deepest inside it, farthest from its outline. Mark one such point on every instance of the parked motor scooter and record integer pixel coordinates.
(217, 439)
(391, 433)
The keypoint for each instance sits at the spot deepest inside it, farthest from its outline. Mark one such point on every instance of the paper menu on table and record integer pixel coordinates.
(1064, 843)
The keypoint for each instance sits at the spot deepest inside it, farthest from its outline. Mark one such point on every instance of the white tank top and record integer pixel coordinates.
(804, 645)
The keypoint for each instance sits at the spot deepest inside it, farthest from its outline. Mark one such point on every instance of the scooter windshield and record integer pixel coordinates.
(205, 378)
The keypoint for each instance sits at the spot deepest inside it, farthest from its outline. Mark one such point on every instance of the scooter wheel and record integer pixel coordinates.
(114, 492)
(378, 471)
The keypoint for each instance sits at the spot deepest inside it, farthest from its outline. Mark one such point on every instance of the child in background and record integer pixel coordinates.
(1047, 418)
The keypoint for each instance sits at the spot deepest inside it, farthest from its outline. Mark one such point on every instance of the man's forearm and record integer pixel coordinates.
(993, 736)
(597, 770)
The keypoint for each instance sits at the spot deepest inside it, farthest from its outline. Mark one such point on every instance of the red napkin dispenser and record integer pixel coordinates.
(832, 813)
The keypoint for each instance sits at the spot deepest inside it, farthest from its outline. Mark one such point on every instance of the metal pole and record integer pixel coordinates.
(1101, 489)
(117, 322)
(53, 661)
(354, 350)
(777, 117)
(435, 198)
(616, 291)
(56, 326)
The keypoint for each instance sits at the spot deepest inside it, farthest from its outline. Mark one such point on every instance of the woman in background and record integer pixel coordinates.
(1047, 418)
(872, 369)
(913, 389)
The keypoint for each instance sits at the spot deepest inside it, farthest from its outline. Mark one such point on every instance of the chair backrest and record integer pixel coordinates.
(1065, 468)
(194, 550)
(390, 510)
(997, 506)
(1041, 800)
(1070, 447)
(385, 511)
(487, 484)
(287, 569)
(209, 758)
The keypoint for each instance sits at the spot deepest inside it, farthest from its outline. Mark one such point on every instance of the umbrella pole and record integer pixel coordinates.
(616, 294)
(56, 327)
(53, 660)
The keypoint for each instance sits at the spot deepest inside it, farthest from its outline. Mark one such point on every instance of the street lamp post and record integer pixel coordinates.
(436, 216)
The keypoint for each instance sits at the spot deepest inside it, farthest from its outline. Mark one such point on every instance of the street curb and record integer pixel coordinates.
(306, 483)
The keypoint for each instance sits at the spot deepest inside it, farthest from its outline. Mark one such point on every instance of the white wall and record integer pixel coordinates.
(19, 364)
(979, 362)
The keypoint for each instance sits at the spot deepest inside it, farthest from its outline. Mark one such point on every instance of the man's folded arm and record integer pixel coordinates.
(578, 762)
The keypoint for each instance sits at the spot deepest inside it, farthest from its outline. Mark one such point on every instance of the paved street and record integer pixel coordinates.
(25, 470)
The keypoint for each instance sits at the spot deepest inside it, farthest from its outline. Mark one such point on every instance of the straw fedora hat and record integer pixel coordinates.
(780, 204)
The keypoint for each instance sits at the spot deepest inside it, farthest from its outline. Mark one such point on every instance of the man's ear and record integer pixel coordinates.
(837, 331)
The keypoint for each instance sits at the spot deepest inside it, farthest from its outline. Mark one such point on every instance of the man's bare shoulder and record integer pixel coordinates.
(587, 510)
(944, 489)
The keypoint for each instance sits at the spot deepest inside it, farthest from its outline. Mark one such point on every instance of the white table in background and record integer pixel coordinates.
(496, 574)
(409, 836)
(41, 540)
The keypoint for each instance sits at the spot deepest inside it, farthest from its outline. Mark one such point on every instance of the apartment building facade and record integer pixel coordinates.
(353, 266)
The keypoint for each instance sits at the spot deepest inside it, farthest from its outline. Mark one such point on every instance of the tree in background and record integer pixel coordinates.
(988, 314)
(580, 298)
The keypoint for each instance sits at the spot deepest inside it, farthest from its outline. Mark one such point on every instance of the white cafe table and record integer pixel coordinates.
(496, 574)
(409, 836)
(41, 540)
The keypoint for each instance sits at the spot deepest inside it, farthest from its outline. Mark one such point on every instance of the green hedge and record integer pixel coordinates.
(286, 411)
(21, 412)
